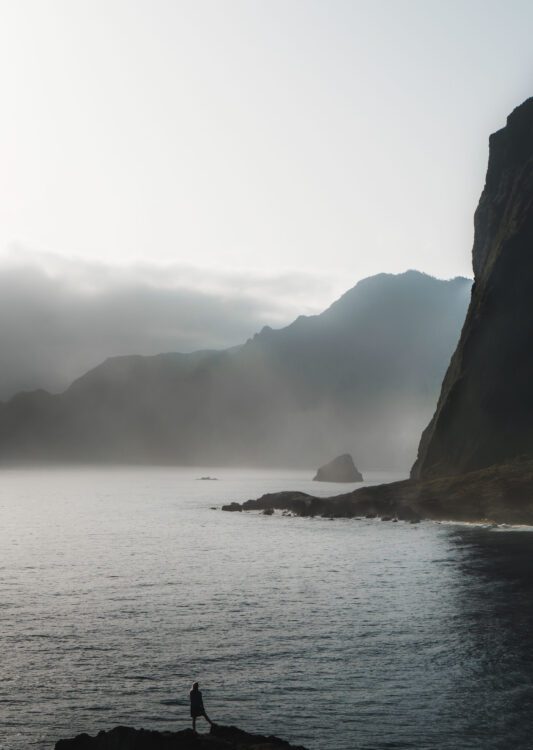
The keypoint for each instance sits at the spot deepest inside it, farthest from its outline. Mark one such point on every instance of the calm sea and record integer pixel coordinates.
(119, 587)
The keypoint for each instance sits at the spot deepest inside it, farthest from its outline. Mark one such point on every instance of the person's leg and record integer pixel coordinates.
(206, 717)
(194, 723)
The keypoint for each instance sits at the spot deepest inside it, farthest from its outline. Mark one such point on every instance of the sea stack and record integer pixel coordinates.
(341, 469)
(485, 412)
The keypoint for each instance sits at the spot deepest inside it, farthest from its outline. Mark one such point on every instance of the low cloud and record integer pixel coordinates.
(59, 317)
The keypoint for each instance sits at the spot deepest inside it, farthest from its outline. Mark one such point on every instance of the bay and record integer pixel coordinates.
(121, 586)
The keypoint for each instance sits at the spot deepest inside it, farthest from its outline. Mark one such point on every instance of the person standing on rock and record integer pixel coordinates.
(197, 706)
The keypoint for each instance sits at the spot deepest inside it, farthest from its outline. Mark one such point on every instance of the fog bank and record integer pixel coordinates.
(59, 318)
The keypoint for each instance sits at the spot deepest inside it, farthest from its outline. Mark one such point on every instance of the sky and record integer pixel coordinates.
(258, 156)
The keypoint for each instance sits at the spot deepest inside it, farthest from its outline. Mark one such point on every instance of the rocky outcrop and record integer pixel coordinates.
(219, 738)
(499, 494)
(485, 412)
(232, 507)
(341, 469)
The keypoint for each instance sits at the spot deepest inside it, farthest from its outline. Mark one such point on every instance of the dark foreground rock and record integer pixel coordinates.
(499, 494)
(341, 469)
(219, 738)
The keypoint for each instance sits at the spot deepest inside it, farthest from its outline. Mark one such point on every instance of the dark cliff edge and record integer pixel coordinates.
(484, 415)
(219, 738)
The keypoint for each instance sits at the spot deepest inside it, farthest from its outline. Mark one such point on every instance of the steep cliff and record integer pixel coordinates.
(484, 415)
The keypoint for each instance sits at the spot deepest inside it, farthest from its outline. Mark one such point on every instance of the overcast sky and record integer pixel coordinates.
(277, 148)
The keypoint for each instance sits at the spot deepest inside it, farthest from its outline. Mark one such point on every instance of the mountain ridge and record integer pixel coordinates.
(359, 370)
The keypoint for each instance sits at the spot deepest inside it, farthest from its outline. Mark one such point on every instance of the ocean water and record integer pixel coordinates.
(120, 587)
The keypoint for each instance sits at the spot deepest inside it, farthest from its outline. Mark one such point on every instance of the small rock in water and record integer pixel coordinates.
(268, 512)
(341, 469)
(233, 507)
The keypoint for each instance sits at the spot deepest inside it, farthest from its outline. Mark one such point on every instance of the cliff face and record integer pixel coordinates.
(485, 412)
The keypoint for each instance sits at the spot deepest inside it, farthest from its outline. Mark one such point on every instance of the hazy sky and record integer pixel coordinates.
(291, 145)
(346, 137)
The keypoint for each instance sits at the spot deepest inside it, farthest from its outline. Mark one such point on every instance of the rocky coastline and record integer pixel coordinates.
(501, 494)
(475, 458)
(219, 738)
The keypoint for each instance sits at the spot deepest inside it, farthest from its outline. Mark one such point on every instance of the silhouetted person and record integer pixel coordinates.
(197, 706)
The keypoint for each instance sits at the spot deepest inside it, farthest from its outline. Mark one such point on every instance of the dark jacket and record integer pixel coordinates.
(197, 703)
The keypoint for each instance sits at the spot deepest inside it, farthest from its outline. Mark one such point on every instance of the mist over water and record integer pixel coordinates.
(361, 377)
(119, 587)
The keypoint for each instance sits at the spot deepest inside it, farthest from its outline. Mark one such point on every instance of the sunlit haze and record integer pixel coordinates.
(250, 160)
(343, 138)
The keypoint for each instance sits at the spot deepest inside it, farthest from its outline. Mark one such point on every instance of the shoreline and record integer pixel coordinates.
(501, 494)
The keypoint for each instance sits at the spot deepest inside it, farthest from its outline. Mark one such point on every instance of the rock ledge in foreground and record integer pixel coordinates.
(219, 738)
(341, 469)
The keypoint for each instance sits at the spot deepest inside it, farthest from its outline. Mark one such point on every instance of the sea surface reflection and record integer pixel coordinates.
(119, 587)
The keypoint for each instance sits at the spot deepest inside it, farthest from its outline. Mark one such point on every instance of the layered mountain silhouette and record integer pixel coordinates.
(362, 377)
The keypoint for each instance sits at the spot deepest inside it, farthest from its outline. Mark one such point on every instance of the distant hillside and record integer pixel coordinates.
(362, 377)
